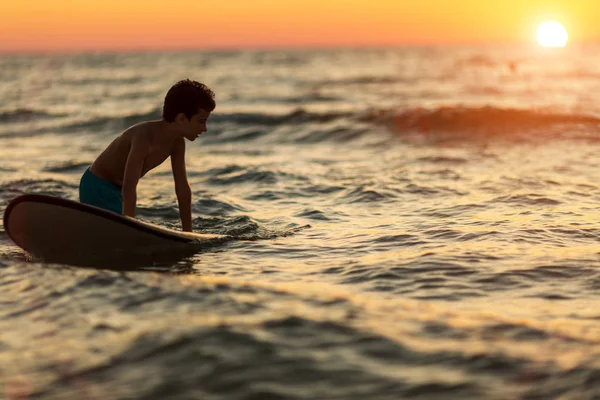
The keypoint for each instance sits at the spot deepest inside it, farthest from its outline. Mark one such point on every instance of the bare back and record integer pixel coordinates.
(110, 164)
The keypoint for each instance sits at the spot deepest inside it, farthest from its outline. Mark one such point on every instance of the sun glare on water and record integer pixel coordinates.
(552, 34)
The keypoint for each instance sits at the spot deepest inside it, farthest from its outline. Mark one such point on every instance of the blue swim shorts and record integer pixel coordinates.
(97, 192)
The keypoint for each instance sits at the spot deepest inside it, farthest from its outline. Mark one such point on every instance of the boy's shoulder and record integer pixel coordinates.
(140, 127)
(140, 132)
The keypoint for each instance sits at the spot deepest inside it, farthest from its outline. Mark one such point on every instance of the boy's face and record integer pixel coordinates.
(195, 126)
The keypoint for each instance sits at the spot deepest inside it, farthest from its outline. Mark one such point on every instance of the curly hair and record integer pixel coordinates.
(187, 97)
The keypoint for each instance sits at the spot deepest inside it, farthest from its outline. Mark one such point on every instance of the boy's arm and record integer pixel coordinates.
(182, 187)
(132, 174)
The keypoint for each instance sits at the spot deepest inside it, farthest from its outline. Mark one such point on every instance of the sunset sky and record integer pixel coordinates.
(58, 25)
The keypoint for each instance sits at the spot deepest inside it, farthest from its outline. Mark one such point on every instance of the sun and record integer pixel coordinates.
(552, 34)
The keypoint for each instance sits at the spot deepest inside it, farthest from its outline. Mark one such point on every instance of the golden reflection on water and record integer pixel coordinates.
(563, 336)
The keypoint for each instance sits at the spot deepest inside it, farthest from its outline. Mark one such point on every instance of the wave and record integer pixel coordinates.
(446, 118)
(107, 80)
(456, 121)
(118, 122)
(308, 98)
(50, 187)
(527, 199)
(364, 194)
(296, 116)
(367, 80)
(300, 125)
(490, 119)
(67, 167)
(26, 114)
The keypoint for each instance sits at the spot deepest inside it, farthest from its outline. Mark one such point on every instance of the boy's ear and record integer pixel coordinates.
(180, 117)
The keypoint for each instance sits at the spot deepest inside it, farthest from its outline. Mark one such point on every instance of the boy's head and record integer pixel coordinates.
(187, 97)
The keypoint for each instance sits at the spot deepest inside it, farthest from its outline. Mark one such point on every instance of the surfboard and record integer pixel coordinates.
(59, 230)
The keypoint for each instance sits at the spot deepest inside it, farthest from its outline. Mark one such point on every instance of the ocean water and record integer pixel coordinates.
(409, 223)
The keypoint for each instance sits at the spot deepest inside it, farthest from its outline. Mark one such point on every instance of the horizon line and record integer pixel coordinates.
(298, 47)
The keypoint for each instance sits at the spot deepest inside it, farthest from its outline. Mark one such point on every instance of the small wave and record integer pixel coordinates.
(67, 167)
(430, 191)
(549, 273)
(314, 97)
(316, 189)
(48, 187)
(443, 160)
(113, 80)
(335, 133)
(451, 211)
(235, 174)
(236, 135)
(579, 234)
(229, 169)
(268, 195)
(400, 240)
(116, 122)
(296, 99)
(367, 80)
(312, 214)
(527, 199)
(443, 234)
(363, 194)
(238, 177)
(297, 116)
(156, 213)
(206, 206)
(241, 228)
(25, 114)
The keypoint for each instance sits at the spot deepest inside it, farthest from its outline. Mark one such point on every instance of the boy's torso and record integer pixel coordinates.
(110, 164)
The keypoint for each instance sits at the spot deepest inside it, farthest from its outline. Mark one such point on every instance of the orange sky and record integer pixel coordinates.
(49, 25)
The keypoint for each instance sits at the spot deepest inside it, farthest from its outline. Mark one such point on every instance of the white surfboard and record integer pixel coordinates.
(56, 229)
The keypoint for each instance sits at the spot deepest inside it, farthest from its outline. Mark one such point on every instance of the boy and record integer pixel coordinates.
(111, 181)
